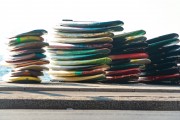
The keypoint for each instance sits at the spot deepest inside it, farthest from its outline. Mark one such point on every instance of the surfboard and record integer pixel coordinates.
(175, 52)
(166, 71)
(82, 35)
(37, 32)
(62, 67)
(79, 52)
(99, 61)
(79, 79)
(18, 53)
(25, 57)
(33, 67)
(22, 79)
(134, 61)
(30, 62)
(65, 46)
(123, 72)
(128, 50)
(161, 66)
(163, 37)
(87, 30)
(28, 45)
(163, 43)
(167, 59)
(159, 78)
(140, 61)
(163, 49)
(161, 56)
(83, 67)
(76, 57)
(104, 67)
(31, 73)
(23, 39)
(122, 78)
(131, 45)
(91, 24)
(76, 73)
(82, 40)
(129, 56)
(121, 41)
(130, 35)
(124, 66)
(121, 61)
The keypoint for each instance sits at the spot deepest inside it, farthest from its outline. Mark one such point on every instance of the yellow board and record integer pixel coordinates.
(22, 79)
(140, 61)
(78, 79)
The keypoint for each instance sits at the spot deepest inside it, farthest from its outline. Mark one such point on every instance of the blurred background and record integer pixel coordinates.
(157, 17)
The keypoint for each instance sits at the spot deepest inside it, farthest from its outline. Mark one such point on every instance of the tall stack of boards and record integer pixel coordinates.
(26, 57)
(128, 55)
(79, 50)
(164, 54)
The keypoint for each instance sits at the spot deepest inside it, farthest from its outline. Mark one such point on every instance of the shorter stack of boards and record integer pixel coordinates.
(79, 50)
(26, 57)
(164, 53)
(128, 55)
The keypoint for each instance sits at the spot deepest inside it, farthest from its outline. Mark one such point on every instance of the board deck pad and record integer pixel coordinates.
(27, 57)
(164, 54)
(79, 50)
(128, 55)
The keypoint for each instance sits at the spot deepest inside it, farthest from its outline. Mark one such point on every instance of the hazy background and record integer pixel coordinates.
(157, 17)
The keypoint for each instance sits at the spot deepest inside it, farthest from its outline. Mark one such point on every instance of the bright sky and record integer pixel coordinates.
(157, 17)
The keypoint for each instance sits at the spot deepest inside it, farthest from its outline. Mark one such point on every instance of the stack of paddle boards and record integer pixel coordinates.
(26, 57)
(164, 54)
(128, 54)
(79, 50)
